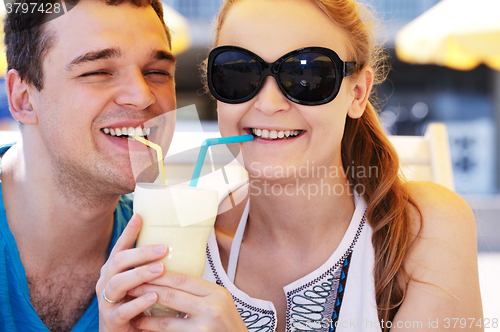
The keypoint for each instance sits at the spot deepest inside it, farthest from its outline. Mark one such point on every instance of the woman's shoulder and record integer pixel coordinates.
(439, 218)
(443, 213)
(442, 255)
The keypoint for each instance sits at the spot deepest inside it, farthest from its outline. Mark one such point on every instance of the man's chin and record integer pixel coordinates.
(120, 187)
(127, 188)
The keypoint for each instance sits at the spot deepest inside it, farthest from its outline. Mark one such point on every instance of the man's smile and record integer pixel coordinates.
(127, 132)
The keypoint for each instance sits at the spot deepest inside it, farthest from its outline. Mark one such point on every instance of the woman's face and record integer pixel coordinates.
(271, 29)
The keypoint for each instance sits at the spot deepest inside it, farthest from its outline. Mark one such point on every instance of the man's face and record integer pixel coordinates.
(110, 67)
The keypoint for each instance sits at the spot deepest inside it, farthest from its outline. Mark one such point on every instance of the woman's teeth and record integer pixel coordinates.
(144, 132)
(275, 134)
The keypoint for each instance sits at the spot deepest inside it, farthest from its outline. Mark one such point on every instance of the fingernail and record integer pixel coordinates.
(137, 321)
(151, 298)
(156, 268)
(160, 249)
(131, 291)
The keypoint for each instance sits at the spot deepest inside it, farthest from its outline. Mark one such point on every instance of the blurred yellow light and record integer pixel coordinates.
(454, 33)
(179, 29)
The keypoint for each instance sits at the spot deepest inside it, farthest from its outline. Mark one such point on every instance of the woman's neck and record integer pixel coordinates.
(305, 210)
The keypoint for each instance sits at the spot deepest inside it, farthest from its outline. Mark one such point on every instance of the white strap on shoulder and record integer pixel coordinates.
(234, 253)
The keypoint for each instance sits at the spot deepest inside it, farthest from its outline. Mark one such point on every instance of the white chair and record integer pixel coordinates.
(426, 158)
(9, 136)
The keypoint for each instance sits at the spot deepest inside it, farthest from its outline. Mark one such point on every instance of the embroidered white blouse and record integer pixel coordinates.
(338, 296)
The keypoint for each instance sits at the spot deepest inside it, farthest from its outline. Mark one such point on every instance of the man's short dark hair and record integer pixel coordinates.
(27, 39)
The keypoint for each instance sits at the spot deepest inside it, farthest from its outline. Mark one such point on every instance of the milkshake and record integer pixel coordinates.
(181, 218)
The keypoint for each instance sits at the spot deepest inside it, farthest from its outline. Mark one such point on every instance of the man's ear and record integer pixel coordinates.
(362, 88)
(20, 105)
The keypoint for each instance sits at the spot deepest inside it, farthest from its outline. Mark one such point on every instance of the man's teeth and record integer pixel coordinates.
(130, 131)
(275, 134)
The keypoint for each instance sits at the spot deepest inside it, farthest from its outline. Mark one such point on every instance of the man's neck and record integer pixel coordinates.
(63, 241)
(50, 227)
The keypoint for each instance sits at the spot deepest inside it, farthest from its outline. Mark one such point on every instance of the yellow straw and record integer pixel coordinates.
(159, 154)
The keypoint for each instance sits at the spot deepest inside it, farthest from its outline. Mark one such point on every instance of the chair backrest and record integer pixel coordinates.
(426, 158)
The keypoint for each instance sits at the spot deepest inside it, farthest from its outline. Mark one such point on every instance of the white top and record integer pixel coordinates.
(339, 294)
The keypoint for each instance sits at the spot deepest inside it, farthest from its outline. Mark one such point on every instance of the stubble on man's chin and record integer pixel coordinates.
(81, 187)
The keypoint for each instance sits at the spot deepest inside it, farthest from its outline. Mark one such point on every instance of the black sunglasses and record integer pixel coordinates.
(307, 76)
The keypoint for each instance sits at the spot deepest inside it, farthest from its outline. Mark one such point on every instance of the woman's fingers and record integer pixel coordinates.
(127, 259)
(123, 257)
(185, 293)
(128, 236)
(209, 307)
(126, 311)
(172, 298)
(187, 283)
(117, 275)
(215, 312)
(116, 288)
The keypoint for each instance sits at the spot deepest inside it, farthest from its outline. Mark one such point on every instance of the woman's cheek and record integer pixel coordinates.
(229, 117)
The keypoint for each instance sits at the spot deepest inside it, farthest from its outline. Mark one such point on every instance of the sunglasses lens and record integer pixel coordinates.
(308, 77)
(235, 75)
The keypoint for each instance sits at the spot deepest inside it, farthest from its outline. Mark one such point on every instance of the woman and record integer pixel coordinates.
(419, 232)
(327, 235)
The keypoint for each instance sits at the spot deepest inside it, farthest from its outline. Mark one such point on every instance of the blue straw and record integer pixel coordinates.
(203, 152)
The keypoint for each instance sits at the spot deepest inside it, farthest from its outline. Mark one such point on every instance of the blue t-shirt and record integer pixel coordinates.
(16, 312)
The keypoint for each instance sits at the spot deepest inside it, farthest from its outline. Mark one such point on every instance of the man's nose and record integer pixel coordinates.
(270, 99)
(135, 92)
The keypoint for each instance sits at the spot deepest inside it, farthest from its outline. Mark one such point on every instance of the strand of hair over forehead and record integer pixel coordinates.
(363, 26)
(358, 21)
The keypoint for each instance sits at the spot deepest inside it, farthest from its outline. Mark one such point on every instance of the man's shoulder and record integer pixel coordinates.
(5, 147)
(126, 201)
(123, 213)
(124, 209)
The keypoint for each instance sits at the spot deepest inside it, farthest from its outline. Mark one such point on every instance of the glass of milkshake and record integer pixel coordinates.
(181, 218)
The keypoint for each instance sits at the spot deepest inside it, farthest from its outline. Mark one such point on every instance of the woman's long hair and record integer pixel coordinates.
(365, 144)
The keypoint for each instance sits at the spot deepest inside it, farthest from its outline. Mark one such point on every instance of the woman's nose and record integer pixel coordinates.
(270, 99)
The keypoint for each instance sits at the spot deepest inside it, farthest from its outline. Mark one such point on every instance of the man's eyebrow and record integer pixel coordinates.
(162, 55)
(107, 53)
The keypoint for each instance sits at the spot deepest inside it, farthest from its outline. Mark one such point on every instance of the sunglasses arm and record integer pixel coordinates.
(350, 68)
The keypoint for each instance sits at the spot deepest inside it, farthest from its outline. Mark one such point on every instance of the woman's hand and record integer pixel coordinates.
(209, 307)
(116, 310)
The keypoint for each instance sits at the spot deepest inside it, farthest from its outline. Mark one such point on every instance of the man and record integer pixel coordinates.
(73, 83)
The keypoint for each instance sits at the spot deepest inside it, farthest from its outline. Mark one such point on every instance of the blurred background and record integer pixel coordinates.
(417, 91)
(422, 89)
